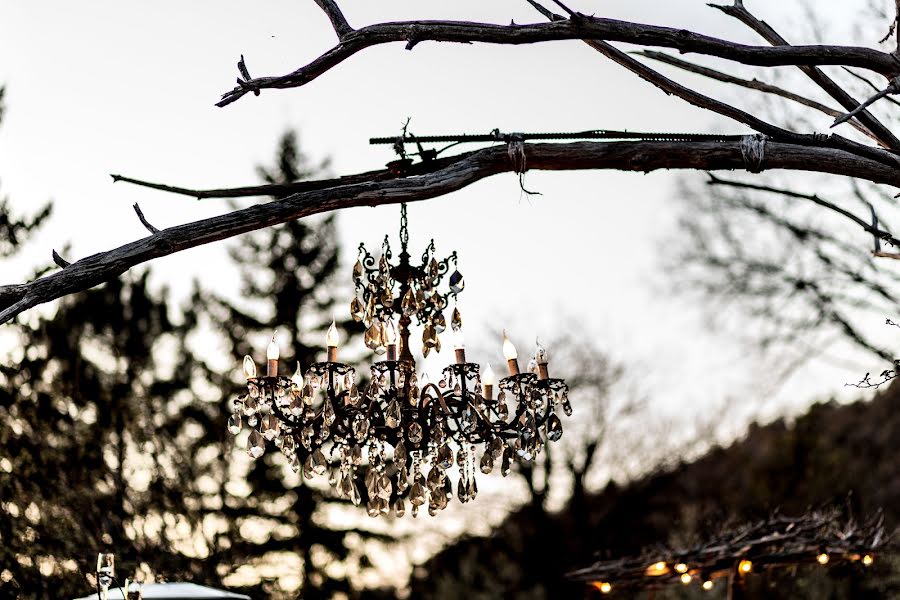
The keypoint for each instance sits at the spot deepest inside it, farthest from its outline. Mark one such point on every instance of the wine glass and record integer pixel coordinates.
(106, 570)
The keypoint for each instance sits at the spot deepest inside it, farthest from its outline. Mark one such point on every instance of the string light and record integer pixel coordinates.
(867, 560)
(657, 569)
(681, 567)
(604, 586)
(686, 578)
(745, 566)
(708, 585)
(822, 558)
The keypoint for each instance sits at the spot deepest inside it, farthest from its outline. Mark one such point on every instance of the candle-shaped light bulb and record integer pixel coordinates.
(509, 352)
(390, 339)
(297, 377)
(249, 367)
(459, 346)
(488, 379)
(541, 357)
(272, 358)
(331, 341)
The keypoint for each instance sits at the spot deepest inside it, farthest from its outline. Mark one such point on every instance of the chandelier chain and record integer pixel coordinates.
(404, 231)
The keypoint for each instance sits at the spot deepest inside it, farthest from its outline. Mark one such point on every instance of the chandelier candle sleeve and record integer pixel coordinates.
(488, 380)
(459, 346)
(512, 357)
(390, 338)
(331, 342)
(541, 357)
(272, 359)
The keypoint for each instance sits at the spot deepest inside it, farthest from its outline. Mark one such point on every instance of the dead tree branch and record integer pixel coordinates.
(826, 83)
(869, 228)
(753, 84)
(338, 21)
(892, 88)
(584, 28)
(462, 171)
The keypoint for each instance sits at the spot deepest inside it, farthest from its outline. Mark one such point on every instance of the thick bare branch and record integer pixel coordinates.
(832, 88)
(641, 156)
(584, 27)
(702, 101)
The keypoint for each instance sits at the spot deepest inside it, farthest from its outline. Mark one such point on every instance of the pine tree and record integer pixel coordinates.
(287, 283)
(101, 438)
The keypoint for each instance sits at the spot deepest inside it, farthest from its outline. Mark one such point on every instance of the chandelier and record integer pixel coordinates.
(403, 433)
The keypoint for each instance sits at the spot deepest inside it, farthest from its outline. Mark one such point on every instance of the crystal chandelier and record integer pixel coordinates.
(410, 430)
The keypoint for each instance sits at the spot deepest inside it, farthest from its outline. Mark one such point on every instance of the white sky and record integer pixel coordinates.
(124, 87)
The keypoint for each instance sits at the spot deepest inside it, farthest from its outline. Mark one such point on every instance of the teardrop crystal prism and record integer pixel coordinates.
(399, 507)
(234, 424)
(487, 463)
(414, 433)
(353, 395)
(357, 310)
(328, 415)
(417, 494)
(408, 304)
(400, 454)
(392, 415)
(444, 457)
(373, 336)
(429, 336)
(455, 319)
(402, 480)
(420, 299)
(357, 271)
(507, 461)
(256, 444)
(439, 322)
(456, 282)
(319, 463)
(554, 428)
(461, 490)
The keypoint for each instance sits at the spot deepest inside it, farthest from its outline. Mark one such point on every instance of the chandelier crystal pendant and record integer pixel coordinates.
(411, 431)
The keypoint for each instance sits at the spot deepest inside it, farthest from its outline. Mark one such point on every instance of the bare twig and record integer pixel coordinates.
(584, 27)
(143, 219)
(892, 88)
(464, 170)
(869, 83)
(59, 260)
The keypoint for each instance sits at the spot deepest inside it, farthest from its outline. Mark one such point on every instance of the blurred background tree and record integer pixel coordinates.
(288, 282)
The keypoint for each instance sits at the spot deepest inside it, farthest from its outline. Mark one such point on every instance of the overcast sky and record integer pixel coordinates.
(124, 87)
